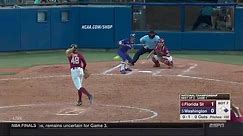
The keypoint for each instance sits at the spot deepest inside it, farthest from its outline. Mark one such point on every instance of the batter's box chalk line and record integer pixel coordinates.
(193, 66)
(152, 71)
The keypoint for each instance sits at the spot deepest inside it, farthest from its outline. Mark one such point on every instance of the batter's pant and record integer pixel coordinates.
(140, 52)
(124, 56)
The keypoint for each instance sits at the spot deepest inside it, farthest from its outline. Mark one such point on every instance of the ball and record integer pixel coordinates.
(116, 58)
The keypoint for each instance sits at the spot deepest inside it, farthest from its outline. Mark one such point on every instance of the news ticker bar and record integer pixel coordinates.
(118, 129)
(102, 125)
(205, 96)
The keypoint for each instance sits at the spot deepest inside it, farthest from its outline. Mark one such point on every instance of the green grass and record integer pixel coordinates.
(6, 73)
(28, 59)
(235, 58)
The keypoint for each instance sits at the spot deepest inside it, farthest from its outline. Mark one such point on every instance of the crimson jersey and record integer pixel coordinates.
(162, 50)
(77, 60)
(235, 119)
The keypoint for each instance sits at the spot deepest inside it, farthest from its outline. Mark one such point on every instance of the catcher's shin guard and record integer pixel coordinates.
(168, 63)
(156, 62)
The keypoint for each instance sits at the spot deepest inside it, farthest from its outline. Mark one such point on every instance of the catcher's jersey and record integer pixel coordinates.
(77, 60)
(163, 51)
(125, 44)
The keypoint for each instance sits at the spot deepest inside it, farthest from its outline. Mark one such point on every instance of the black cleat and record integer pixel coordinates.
(123, 72)
(128, 69)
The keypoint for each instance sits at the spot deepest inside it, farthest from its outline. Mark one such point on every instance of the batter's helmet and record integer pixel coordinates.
(132, 35)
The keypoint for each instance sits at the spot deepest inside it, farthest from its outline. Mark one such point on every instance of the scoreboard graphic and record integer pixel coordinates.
(205, 107)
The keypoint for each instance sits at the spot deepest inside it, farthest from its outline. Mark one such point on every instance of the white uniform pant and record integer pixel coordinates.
(77, 77)
(161, 58)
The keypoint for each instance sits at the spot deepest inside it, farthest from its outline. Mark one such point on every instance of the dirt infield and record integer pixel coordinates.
(147, 94)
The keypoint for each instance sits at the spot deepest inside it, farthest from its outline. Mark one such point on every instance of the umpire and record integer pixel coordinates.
(149, 42)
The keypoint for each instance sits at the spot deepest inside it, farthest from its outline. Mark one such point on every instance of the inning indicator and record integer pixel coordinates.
(205, 107)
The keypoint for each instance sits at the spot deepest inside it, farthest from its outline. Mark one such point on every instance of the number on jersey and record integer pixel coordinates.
(75, 60)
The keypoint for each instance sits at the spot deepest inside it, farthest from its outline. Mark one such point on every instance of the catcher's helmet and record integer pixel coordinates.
(161, 41)
(75, 46)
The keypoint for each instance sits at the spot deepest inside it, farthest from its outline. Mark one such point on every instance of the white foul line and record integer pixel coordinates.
(156, 73)
(14, 106)
(210, 79)
(131, 72)
(111, 69)
(145, 71)
(28, 78)
(135, 70)
(188, 70)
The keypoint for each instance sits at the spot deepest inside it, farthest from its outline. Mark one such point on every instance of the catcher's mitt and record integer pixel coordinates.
(86, 74)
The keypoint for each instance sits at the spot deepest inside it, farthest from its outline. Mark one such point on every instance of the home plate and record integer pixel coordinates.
(145, 71)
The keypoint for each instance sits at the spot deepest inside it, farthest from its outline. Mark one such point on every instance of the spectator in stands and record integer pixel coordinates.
(224, 16)
(2, 2)
(204, 17)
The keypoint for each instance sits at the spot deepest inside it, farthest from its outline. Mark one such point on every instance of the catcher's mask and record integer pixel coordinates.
(152, 34)
(161, 42)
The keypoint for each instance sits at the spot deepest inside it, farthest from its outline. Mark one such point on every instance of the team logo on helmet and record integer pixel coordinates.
(132, 35)
(75, 46)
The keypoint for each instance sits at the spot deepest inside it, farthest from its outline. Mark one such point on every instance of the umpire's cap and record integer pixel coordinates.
(152, 34)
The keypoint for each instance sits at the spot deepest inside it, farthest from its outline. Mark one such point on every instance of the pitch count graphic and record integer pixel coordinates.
(205, 107)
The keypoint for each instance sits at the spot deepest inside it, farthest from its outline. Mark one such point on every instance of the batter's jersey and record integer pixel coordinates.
(77, 60)
(149, 43)
(125, 44)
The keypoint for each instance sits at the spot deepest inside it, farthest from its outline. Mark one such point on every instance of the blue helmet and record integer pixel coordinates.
(132, 35)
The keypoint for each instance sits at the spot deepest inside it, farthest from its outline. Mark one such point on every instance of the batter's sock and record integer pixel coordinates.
(122, 67)
(80, 95)
(82, 89)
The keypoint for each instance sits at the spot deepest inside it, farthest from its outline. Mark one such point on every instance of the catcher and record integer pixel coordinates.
(78, 72)
(161, 53)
